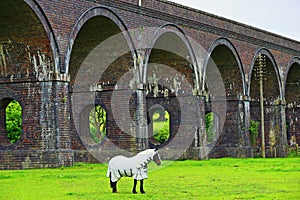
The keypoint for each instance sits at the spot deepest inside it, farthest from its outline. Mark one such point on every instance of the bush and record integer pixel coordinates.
(13, 121)
(161, 129)
(253, 131)
(209, 122)
(163, 135)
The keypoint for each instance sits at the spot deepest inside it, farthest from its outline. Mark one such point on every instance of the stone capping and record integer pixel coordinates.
(200, 20)
(61, 77)
(200, 13)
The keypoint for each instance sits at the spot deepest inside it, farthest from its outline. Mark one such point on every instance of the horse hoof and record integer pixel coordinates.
(143, 192)
(134, 192)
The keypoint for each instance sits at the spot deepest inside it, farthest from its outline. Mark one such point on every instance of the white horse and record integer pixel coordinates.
(135, 167)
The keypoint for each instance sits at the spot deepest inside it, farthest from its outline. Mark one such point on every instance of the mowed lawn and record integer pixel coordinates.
(225, 178)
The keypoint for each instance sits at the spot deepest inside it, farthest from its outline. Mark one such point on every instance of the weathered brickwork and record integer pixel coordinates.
(170, 57)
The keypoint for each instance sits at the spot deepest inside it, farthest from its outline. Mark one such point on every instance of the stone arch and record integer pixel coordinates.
(292, 99)
(224, 87)
(102, 78)
(274, 114)
(48, 28)
(231, 47)
(272, 61)
(28, 49)
(171, 74)
(29, 44)
(87, 15)
(173, 29)
(294, 61)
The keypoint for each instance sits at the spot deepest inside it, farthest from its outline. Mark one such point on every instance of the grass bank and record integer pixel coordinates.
(225, 178)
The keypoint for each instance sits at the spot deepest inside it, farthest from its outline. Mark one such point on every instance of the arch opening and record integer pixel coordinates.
(12, 121)
(93, 125)
(170, 72)
(226, 62)
(170, 50)
(272, 107)
(223, 99)
(27, 56)
(95, 31)
(97, 123)
(13, 113)
(212, 127)
(292, 98)
(160, 126)
(98, 72)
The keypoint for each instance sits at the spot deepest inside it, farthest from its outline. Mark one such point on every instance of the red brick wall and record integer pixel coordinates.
(35, 48)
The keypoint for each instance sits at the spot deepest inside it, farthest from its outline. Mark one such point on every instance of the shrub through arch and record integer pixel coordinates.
(161, 125)
(13, 121)
(97, 123)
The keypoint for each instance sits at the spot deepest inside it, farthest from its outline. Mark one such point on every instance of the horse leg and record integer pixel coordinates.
(142, 187)
(134, 186)
(114, 187)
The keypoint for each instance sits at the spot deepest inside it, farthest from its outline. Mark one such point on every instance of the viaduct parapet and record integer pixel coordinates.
(59, 59)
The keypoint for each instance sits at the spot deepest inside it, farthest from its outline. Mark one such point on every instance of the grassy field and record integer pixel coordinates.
(225, 178)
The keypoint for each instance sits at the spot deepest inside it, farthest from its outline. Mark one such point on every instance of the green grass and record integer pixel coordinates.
(225, 178)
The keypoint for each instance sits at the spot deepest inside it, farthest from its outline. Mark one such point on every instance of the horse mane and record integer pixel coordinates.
(147, 152)
(145, 156)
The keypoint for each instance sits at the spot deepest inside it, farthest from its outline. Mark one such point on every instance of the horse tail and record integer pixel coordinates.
(108, 174)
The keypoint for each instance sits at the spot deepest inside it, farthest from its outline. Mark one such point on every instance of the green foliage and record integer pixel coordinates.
(226, 178)
(164, 134)
(253, 131)
(13, 121)
(97, 123)
(287, 125)
(293, 153)
(161, 129)
(209, 122)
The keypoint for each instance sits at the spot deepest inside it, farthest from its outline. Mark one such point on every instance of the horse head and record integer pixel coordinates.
(156, 157)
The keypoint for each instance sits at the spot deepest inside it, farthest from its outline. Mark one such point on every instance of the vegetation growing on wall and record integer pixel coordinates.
(253, 129)
(209, 122)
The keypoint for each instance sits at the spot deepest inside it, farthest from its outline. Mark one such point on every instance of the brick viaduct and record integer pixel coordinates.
(44, 44)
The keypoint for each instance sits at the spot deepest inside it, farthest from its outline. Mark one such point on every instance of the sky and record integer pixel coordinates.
(277, 16)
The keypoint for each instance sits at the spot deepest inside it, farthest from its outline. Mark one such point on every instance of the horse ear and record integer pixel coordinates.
(156, 148)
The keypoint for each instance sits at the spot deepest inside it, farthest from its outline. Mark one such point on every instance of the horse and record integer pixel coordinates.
(136, 167)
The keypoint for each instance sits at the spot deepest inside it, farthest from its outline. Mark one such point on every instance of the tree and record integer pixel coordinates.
(13, 121)
(98, 123)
